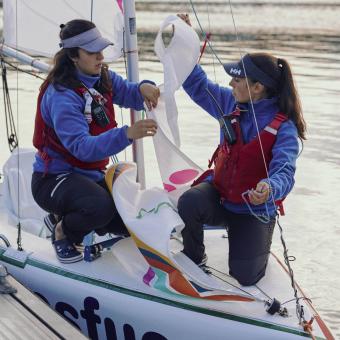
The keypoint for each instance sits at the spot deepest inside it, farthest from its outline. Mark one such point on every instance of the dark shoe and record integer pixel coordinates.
(66, 251)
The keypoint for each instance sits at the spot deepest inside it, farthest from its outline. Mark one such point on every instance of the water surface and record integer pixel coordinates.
(307, 34)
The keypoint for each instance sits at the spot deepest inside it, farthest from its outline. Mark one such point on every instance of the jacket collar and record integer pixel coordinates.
(89, 81)
(261, 107)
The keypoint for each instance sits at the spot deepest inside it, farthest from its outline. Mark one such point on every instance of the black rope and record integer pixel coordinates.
(287, 258)
(231, 284)
(12, 137)
(31, 73)
(263, 292)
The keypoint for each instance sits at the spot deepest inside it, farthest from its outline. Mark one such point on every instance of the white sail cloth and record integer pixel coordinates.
(178, 59)
(32, 26)
(151, 215)
(17, 199)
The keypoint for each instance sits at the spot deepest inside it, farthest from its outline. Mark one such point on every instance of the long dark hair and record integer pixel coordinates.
(289, 100)
(64, 72)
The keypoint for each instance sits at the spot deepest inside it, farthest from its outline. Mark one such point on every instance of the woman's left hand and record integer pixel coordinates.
(260, 194)
(150, 94)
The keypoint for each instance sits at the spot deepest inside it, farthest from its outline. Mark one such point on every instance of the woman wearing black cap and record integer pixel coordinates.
(261, 121)
(75, 133)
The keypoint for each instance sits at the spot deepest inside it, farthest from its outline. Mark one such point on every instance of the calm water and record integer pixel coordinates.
(308, 35)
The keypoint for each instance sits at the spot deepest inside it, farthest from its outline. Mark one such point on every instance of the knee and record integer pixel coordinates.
(185, 203)
(246, 272)
(99, 210)
(192, 202)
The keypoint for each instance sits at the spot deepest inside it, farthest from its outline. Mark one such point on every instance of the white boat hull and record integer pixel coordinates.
(102, 301)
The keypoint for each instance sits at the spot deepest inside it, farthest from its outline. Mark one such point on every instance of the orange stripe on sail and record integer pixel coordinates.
(162, 266)
(228, 298)
(178, 282)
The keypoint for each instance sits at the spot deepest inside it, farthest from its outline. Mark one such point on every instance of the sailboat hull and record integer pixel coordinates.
(106, 305)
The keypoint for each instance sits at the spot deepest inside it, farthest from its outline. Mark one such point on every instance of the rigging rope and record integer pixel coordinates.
(19, 244)
(12, 137)
(299, 308)
(204, 33)
(31, 73)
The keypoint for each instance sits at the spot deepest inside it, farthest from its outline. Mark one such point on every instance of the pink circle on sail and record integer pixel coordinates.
(183, 176)
(168, 187)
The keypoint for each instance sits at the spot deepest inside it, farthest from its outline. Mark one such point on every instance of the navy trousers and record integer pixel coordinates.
(84, 205)
(249, 239)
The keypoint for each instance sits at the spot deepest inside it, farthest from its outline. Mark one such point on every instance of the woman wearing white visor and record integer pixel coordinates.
(76, 132)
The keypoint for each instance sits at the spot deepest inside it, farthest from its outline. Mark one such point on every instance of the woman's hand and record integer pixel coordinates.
(185, 18)
(142, 128)
(150, 94)
(260, 194)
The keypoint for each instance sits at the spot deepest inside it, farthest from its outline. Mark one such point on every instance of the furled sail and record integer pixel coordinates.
(32, 26)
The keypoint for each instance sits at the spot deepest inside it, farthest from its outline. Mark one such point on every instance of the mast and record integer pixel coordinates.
(131, 50)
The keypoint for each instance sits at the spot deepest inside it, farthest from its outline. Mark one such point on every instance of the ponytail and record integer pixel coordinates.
(289, 100)
(288, 97)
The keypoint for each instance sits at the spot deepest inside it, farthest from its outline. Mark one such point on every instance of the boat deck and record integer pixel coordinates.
(24, 316)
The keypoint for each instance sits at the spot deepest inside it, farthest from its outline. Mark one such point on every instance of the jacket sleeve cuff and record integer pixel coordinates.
(146, 81)
(129, 141)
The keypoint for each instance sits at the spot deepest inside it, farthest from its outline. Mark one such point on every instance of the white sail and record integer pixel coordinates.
(178, 59)
(32, 26)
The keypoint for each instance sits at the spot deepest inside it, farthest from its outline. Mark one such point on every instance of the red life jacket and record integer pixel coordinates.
(239, 167)
(45, 136)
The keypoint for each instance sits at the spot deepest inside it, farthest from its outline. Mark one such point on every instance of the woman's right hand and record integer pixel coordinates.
(185, 18)
(142, 128)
